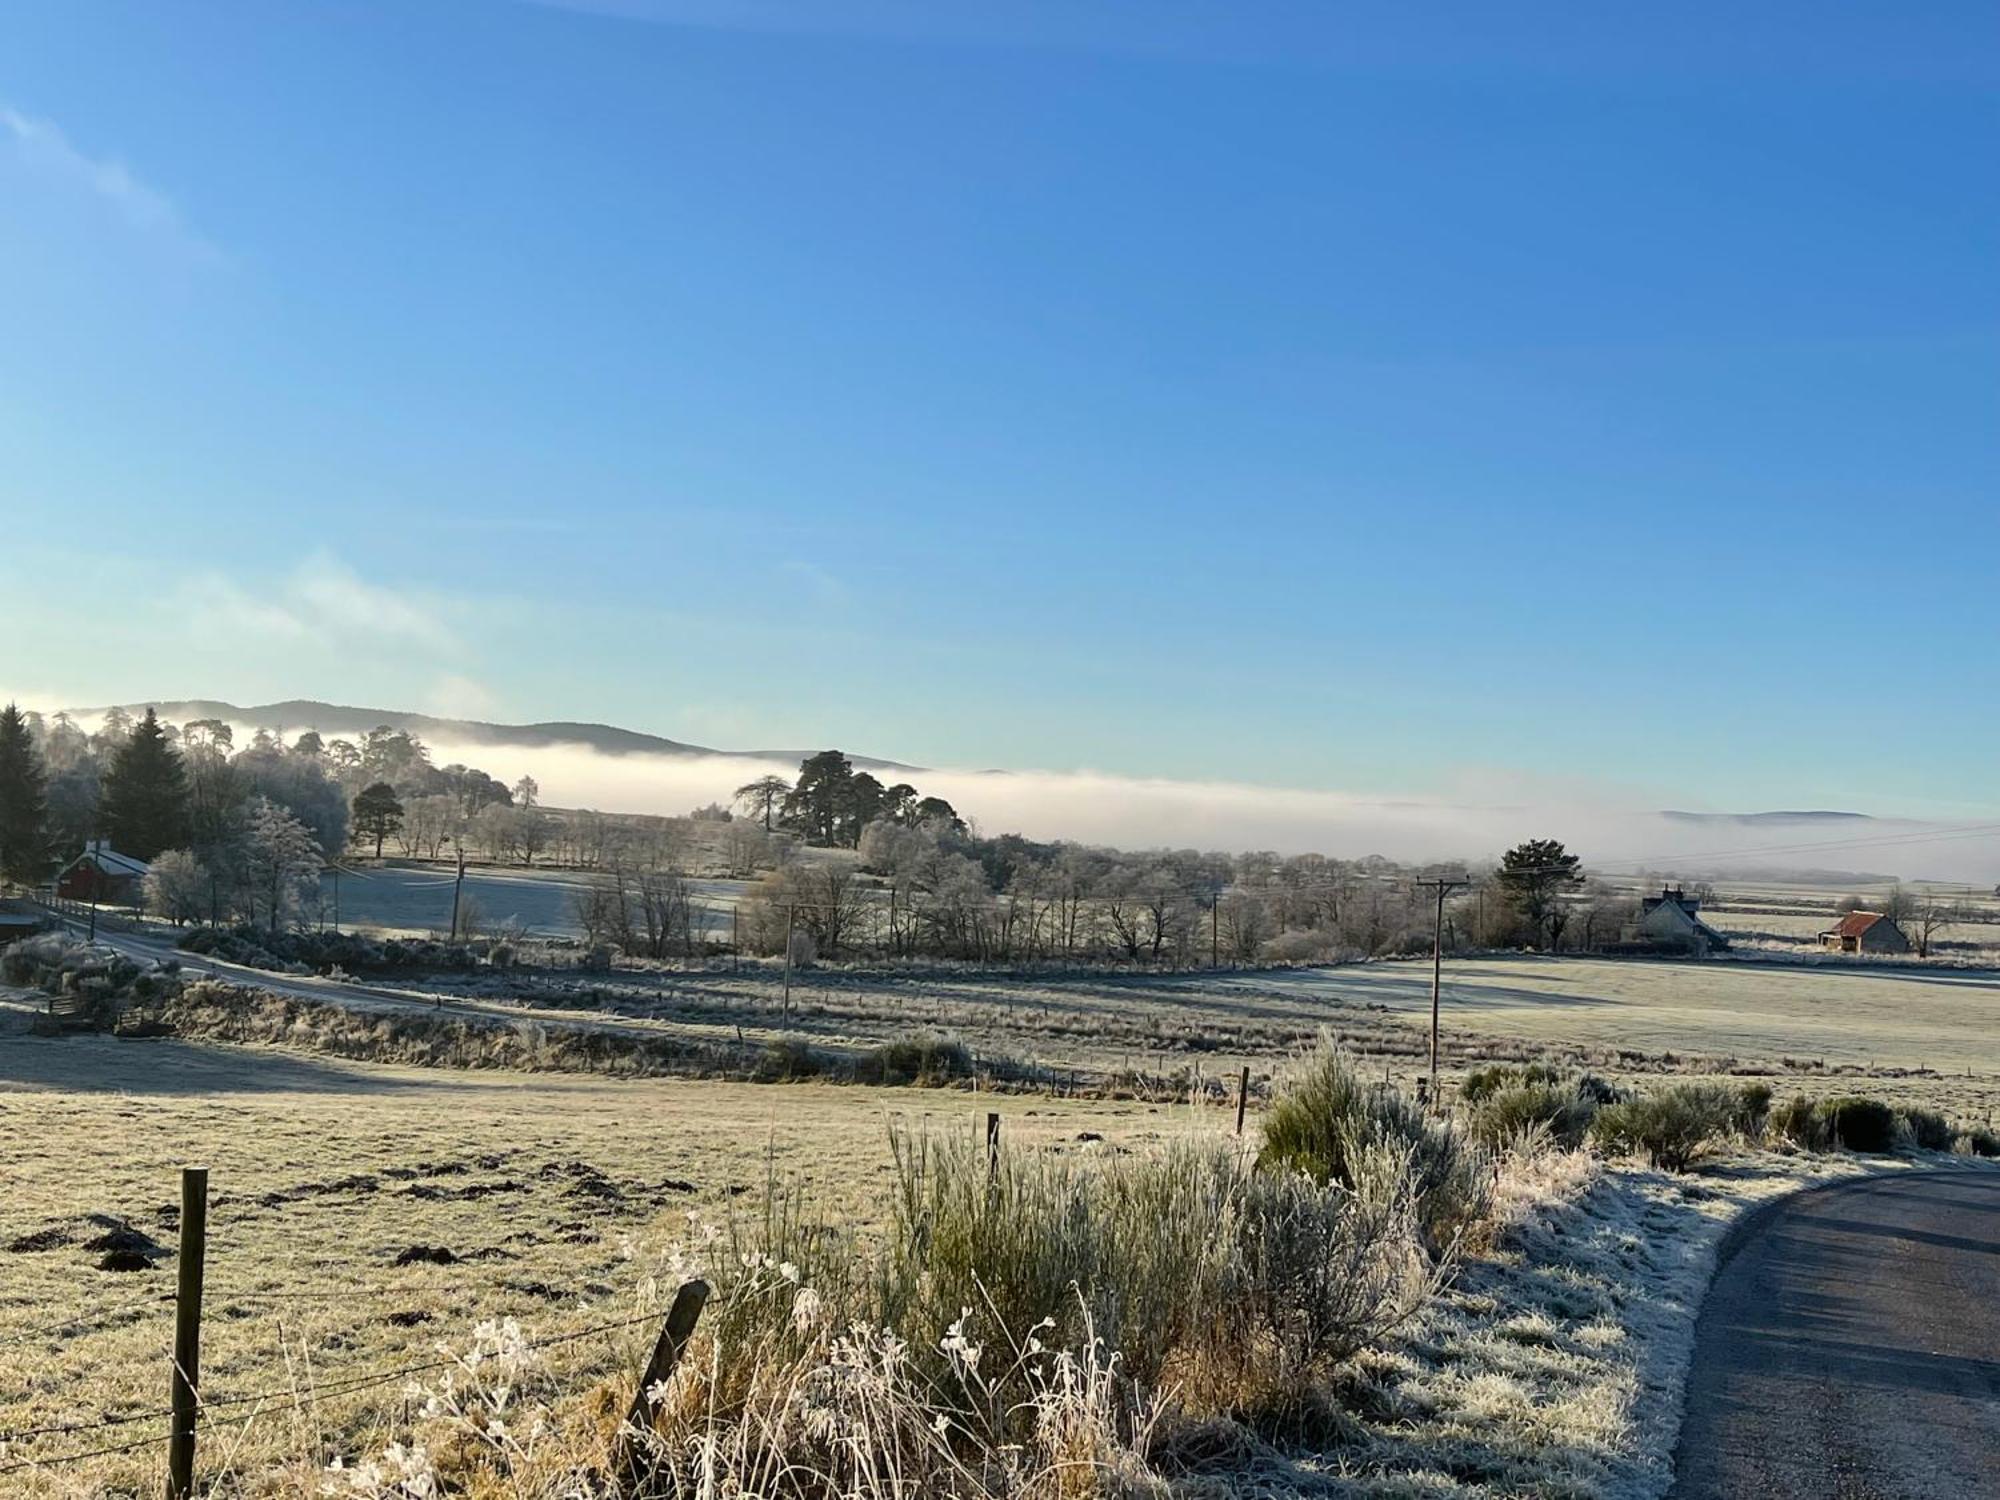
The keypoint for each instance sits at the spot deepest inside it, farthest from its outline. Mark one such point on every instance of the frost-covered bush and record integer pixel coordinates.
(1670, 1128)
(927, 1060)
(322, 952)
(1977, 1141)
(1326, 1122)
(1304, 945)
(1498, 1117)
(106, 981)
(1927, 1128)
(1847, 1122)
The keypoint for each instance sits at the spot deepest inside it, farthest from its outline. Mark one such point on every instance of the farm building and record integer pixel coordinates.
(1674, 918)
(103, 875)
(18, 920)
(1865, 932)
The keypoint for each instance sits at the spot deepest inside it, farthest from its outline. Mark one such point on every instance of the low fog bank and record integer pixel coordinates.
(1610, 827)
(1141, 813)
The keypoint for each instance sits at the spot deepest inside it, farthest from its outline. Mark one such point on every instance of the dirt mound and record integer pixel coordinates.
(52, 1238)
(469, 1193)
(428, 1255)
(123, 1241)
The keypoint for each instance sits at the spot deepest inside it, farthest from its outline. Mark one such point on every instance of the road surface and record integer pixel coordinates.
(1850, 1348)
(379, 997)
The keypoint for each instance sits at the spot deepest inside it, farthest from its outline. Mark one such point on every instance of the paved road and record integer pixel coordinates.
(1850, 1349)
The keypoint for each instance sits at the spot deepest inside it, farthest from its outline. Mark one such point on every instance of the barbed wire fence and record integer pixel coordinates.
(191, 1407)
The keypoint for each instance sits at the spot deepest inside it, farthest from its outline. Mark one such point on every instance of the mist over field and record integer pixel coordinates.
(1491, 814)
(1618, 829)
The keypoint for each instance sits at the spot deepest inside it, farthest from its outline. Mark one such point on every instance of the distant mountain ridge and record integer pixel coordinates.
(346, 720)
(1769, 819)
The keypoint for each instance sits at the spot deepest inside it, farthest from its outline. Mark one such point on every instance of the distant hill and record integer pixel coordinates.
(337, 719)
(1769, 819)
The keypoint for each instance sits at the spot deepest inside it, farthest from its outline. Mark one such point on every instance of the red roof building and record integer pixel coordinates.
(1865, 932)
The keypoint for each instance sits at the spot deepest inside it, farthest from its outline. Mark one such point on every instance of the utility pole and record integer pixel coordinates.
(336, 898)
(457, 886)
(1443, 887)
(791, 912)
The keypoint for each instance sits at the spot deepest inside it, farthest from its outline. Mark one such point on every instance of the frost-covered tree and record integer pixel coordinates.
(281, 865)
(177, 887)
(763, 797)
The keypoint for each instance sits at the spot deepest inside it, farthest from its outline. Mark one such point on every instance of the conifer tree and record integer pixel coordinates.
(145, 801)
(24, 809)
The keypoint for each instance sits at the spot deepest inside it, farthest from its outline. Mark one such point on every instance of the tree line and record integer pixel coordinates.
(242, 833)
(231, 832)
(936, 889)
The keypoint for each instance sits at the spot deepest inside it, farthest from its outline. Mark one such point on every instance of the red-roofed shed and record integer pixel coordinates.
(1865, 932)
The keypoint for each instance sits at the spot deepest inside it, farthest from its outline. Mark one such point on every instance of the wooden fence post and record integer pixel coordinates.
(630, 1462)
(1242, 1097)
(992, 1145)
(186, 1386)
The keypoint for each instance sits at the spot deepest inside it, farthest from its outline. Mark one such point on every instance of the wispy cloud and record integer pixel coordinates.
(322, 602)
(42, 147)
(810, 581)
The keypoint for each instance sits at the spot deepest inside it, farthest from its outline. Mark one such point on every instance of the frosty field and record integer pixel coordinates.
(1915, 1032)
(552, 1198)
(362, 1212)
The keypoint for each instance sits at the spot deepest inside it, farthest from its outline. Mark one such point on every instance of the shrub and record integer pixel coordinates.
(352, 953)
(1800, 1121)
(33, 959)
(787, 1059)
(1304, 946)
(1504, 1115)
(1753, 1110)
(1850, 1122)
(1670, 1128)
(1928, 1129)
(1977, 1141)
(929, 1061)
(1482, 1082)
(1234, 1285)
(1865, 1125)
(107, 981)
(1325, 1122)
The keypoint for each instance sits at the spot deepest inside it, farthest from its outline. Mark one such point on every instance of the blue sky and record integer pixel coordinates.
(1361, 397)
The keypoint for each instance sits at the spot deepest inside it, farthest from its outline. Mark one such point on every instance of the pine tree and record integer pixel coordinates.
(816, 804)
(1536, 876)
(145, 802)
(24, 809)
(378, 813)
